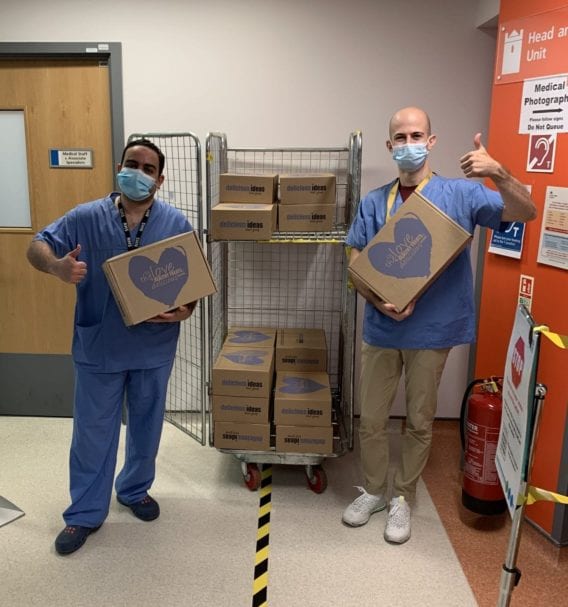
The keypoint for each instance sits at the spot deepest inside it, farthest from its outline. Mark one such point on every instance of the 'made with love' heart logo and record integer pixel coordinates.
(300, 385)
(409, 255)
(161, 280)
(247, 337)
(246, 357)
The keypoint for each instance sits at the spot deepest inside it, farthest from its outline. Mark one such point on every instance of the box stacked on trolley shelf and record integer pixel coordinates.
(246, 209)
(307, 202)
(302, 396)
(242, 389)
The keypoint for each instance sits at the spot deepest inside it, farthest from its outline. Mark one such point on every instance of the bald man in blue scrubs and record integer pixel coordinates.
(113, 362)
(418, 338)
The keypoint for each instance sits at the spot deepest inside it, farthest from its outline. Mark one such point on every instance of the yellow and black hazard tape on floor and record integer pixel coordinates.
(260, 584)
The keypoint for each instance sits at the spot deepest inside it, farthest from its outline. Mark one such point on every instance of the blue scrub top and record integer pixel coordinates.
(101, 340)
(444, 315)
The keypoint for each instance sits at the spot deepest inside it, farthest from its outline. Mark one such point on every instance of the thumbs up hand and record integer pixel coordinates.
(69, 269)
(478, 162)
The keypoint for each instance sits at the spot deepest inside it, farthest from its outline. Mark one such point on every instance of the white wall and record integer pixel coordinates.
(288, 73)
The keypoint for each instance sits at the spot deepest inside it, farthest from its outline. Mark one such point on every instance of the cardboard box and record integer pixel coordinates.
(260, 189)
(158, 277)
(409, 252)
(301, 350)
(241, 221)
(306, 217)
(244, 409)
(233, 435)
(305, 188)
(244, 372)
(302, 399)
(246, 337)
(303, 439)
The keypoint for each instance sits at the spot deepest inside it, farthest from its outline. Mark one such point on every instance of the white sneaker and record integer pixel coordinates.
(359, 512)
(398, 521)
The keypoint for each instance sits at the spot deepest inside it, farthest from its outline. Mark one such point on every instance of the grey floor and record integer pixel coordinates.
(201, 550)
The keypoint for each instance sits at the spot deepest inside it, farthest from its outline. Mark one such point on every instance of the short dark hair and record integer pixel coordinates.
(150, 145)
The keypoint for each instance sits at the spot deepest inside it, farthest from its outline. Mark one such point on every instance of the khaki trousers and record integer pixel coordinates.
(381, 369)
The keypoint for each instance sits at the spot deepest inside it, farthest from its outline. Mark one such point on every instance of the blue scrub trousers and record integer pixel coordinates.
(99, 399)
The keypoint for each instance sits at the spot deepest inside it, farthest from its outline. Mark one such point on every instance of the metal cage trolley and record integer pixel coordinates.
(292, 280)
(187, 390)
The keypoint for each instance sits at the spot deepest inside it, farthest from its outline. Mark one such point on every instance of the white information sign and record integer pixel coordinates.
(553, 245)
(518, 403)
(71, 159)
(544, 105)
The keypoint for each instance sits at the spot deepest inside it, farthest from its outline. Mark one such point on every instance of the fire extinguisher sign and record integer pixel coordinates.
(518, 402)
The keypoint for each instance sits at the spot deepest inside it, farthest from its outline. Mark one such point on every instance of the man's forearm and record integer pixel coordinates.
(41, 256)
(518, 205)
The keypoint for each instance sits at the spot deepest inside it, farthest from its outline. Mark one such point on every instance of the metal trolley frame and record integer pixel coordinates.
(187, 389)
(292, 280)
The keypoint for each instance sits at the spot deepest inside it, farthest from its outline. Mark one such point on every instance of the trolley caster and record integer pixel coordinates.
(317, 479)
(252, 477)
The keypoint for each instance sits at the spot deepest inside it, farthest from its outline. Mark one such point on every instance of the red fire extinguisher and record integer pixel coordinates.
(480, 421)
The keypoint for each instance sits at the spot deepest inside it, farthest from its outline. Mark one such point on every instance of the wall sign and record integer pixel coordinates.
(544, 105)
(542, 151)
(553, 245)
(526, 289)
(71, 159)
(533, 46)
(510, 242)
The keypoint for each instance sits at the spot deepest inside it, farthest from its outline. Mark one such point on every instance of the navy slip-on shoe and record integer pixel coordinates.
(147, 509)
(72, 538)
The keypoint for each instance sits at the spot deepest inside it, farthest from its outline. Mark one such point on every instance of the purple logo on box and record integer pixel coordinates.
(300, 385)
(247, 357)
(163, 280)
(247, 337)
(409, 255)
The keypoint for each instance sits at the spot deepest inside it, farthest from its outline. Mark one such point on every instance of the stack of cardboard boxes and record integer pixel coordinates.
(302, 396)
(242, 388)
(307, 203)
(243, 374)
(247, 208)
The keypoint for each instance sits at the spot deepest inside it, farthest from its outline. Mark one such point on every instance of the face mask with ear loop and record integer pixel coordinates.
(135, 184)
(410, 156)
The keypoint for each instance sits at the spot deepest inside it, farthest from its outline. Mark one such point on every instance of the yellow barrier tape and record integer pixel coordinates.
(535, 495)
(561, 341)
(260, 582)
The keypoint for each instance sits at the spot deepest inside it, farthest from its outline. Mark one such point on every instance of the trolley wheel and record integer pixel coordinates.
(252, 477)
(318, 482)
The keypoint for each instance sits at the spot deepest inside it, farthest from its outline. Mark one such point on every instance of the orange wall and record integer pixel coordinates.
(501, 276)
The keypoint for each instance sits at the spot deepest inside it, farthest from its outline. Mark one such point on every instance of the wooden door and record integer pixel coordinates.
(66, 105)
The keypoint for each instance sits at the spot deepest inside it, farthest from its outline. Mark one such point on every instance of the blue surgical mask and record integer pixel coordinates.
(410, 156)
(135, 184)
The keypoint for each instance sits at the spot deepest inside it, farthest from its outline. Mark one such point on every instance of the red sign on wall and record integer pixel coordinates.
(532, 47)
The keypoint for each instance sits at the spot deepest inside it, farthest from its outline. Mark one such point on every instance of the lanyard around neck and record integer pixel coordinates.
(394, 191)
(129, 244)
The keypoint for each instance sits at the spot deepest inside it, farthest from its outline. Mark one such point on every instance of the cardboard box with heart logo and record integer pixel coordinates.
(242, 371)
(302, 399)
(245, 337)
(159, 277)
(410, 251)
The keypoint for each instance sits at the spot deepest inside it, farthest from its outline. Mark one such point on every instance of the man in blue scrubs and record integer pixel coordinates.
(419, 337)
(113, 361)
